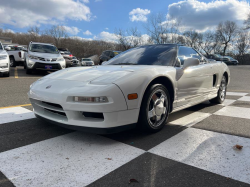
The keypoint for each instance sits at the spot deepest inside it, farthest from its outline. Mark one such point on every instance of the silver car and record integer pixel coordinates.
(87, 62)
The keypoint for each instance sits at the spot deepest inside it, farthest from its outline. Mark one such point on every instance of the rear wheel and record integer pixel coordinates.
(12, 62)
(221, 95)
(154, 108)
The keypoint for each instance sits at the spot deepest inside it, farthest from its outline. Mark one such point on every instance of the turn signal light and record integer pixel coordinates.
(132, 96)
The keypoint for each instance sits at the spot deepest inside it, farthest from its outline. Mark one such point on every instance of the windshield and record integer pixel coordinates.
(219, 56)
(147, 55)
(230, 58)
(86, 59)
(67, 52)
(40, 48)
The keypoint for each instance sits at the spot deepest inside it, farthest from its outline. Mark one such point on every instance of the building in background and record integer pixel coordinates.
(5, 40)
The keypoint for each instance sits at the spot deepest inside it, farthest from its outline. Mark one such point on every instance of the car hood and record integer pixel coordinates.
(97, 74)
(45, 55)
(3, 52)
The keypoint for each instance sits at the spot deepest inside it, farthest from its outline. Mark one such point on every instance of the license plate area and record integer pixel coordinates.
(48, 67)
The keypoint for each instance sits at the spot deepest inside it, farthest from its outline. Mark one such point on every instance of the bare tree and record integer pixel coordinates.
(157, 27)
(207, 41)
(191, 38)
(226, 31)
(247, 22)
(242, 43)
(34, 33)
(57, 32)
(129, 38)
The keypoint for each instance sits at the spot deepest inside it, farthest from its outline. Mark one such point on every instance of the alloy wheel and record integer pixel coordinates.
(223, 88)
(157, 108)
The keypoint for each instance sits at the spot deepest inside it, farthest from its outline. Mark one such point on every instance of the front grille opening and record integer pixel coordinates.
(93, 115)
(52, 104)
(56, 112)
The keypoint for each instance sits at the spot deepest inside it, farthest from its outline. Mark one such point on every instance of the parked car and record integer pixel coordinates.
(16, 55)
(67, 55)
(133, 89)
(4, 62)
(231, 61)
(107, 55)
(43, 56)
(217, 57)
(87, 62)
(75, 62)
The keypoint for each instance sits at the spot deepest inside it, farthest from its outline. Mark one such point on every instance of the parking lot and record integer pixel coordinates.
(196, 148)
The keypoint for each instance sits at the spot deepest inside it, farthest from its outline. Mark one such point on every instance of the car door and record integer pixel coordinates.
(193, 83)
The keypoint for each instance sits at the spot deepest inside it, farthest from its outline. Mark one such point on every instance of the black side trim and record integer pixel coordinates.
(92, 129)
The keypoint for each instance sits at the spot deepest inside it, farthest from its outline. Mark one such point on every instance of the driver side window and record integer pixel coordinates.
(187, 52)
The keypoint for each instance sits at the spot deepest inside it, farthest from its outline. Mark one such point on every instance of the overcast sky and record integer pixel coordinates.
(97, 19)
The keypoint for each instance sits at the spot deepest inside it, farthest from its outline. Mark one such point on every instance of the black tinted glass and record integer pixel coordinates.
(147, 55)
(187, 52)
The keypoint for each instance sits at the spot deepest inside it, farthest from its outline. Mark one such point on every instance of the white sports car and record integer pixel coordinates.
(140, 86)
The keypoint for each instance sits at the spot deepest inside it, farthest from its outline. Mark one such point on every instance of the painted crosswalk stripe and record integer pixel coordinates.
(15, 114)
(210, 151)
(190, 119)
(236, 93)
(227, 102)
(244, 98)
(75, 159)
(233, 111)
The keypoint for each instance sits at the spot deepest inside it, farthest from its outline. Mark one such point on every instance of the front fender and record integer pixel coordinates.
(137, 82)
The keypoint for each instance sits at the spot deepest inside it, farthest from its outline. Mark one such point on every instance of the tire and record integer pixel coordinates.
(153, 106)
(221, 94)
(24, 64)
(6, 74)
(28, 71)
(12, 62)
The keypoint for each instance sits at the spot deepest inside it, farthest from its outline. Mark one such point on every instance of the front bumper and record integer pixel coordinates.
(94, 130)
(66, 112)
(4, 65)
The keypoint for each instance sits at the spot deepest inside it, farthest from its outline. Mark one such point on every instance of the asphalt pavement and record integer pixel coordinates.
(196, 147)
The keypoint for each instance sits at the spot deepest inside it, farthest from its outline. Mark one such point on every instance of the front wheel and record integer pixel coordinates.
(12, 62)
(154, 108)
(221, 94)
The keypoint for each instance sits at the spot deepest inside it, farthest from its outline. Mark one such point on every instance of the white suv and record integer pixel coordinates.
(43, 56)
(4, 62)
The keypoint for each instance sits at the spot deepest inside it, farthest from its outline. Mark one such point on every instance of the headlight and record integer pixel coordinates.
(33, 57)
(3, 57)
(102, 99)
(60, 59)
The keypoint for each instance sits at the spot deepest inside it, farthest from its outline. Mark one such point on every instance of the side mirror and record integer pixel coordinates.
(191, 62)
(7, 48)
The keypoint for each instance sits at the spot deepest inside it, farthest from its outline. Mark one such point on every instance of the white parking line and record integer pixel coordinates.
(233, 111)
(236, 93)
(15, 114)
(75, 159)
(227, 102)
(244, 98)
(190, 119)
(210, 151)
